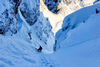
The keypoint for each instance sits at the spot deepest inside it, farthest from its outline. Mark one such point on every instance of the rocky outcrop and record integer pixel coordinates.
(30, 13)
(8, 20)
(52, 5)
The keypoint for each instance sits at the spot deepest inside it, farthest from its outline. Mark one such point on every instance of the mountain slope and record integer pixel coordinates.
(73, 20)
(65, 7)
(78, 39)
(32, 29)
(80, 48)
(27, 22)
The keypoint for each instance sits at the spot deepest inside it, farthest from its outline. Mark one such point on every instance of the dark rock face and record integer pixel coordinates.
(8, 20)
(2, 30)
(52, 5)
(16, 1)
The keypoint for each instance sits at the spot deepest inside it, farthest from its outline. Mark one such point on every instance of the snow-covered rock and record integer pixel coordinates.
(65, 8)
(23, 28)
(30, 11)
(69, 6)
(26, 22)
(52, 5)
(8, 21)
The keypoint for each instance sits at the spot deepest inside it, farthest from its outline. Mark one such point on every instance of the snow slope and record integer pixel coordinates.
(33, 29)
(26, 22)
(73, 20)
(81, 48)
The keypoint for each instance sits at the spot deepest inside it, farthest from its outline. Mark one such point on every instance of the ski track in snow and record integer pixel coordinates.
(29, 60)
(6, 61)
(47, 61)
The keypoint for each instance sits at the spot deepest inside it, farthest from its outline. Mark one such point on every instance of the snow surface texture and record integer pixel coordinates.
(66, 7)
